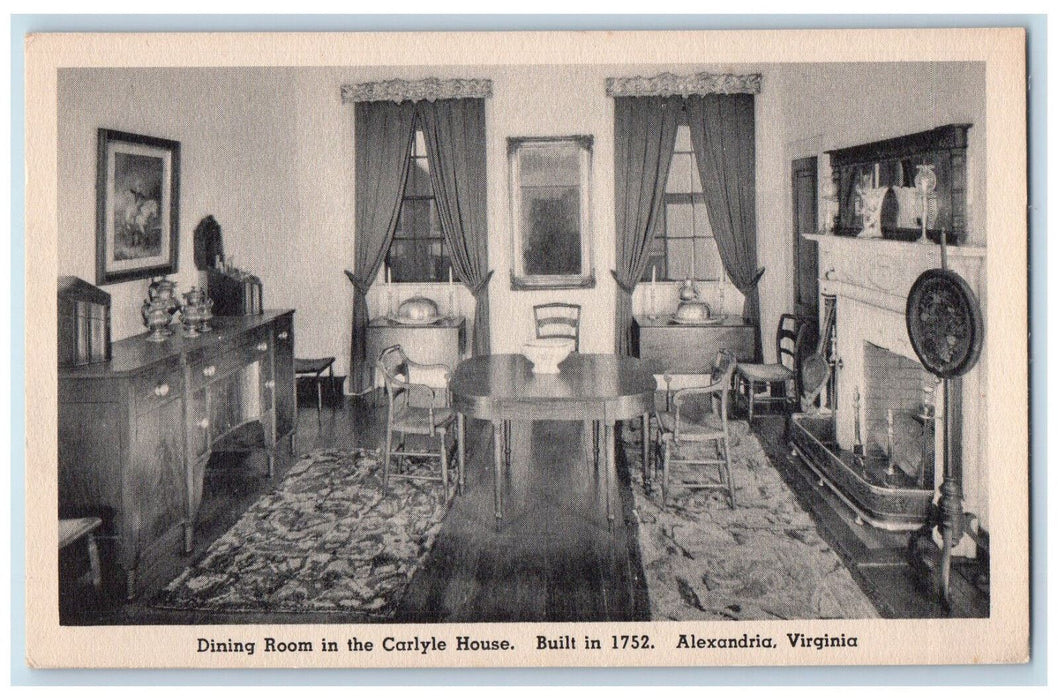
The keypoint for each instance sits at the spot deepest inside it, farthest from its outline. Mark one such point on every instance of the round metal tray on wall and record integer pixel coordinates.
(944, 323)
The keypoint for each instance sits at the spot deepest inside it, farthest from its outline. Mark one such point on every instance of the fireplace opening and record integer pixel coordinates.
(898, 431)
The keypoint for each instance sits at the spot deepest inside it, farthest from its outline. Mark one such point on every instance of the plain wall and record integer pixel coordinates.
(269, 152)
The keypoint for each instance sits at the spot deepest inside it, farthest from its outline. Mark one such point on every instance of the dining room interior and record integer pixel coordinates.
(550, 342)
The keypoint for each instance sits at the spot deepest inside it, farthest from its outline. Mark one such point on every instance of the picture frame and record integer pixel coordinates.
(550, 196)
(137, 206)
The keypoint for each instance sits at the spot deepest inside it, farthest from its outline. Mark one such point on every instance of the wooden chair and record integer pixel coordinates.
(684, 424)
(777, 382)
(558, 320)
(417, 398)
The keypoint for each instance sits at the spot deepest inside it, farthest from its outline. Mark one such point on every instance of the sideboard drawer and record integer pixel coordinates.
(163, 384)
(214, 368)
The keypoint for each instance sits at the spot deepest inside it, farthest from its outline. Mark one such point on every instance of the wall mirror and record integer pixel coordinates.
(550, 181)
(890, 167)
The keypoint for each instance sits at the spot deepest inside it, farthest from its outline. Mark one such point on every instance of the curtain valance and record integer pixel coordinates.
(429, 89)
(669, 84)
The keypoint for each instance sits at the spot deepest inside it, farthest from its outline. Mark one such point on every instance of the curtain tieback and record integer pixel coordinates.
(357, 283)
(480, 286)
(747, 288)
(620, 283)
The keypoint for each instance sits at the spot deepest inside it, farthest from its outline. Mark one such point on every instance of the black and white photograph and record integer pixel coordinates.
(657, 342)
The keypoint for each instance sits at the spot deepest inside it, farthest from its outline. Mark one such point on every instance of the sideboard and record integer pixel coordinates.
(136, 432)
(690, 349)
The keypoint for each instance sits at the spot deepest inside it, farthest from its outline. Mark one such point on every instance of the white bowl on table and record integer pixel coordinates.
(546, 353)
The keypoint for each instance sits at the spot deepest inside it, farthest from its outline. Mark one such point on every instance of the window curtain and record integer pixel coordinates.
(722, 135)
(644, 136)
(455, 145)
(384, 132)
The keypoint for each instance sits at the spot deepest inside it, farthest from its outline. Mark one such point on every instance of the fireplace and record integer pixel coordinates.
(876, 440)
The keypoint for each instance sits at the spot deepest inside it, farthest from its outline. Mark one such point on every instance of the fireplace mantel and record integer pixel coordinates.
(880, 272)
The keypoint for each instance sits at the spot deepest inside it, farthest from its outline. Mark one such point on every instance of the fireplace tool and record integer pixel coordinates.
(946, 330)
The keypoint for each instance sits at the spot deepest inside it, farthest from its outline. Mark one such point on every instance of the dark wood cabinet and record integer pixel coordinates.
(135, 433)
(690, 349)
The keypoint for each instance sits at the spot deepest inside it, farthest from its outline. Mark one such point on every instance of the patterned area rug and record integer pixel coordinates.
(324, 541)
(764, 560)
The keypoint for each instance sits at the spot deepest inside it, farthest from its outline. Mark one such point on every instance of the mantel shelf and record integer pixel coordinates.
(885, 245)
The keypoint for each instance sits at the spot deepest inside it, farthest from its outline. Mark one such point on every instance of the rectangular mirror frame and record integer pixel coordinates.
(520, 280)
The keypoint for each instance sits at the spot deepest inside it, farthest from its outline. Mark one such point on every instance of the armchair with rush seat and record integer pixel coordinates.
(685, 424)
(417, 404)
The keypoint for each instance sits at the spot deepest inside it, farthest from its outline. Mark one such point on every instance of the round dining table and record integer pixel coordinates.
(601, 389)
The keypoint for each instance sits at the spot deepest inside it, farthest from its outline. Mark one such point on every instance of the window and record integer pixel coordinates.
(684, 246)
(418, 252)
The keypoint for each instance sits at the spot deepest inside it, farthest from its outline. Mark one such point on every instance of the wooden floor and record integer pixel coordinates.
(552, 559)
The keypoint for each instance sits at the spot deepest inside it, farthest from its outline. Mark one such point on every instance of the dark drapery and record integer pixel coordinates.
(722, 135)
(455, 145)
(644, 135)
(383, 132)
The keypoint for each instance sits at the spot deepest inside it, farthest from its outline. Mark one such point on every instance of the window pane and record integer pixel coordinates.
(415, 218)
(547, 166)
(418, 261)
(678, 256)
(551, 230)
(679, 219)
(683, 138)
(418, 184)
(418, 148)
(702, 227)
(707, 259)
(680, 174)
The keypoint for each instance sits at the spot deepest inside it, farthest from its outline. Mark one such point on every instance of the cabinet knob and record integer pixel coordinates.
(283, 335)
(261, 347)
(161, 390)
(270, 384)
(209, 370)
(204, 423)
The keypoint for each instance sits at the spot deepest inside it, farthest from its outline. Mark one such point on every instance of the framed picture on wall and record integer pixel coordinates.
(550, 179)
(137, 206)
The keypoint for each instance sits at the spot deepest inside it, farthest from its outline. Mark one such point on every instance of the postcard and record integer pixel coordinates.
(627, 348)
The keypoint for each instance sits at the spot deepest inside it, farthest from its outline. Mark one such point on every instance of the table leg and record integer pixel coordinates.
(461, 429)
(497, 442)
(646, 448)
(595, 443)
(611, 470)
(507, 443)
